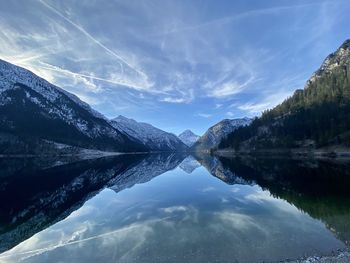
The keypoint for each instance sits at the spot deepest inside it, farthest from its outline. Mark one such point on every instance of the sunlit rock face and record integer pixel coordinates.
(340, 58)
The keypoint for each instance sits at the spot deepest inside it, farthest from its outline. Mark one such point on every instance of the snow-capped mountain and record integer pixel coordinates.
(152, 137)
(214, 134)
(31, 107)
(188, 137)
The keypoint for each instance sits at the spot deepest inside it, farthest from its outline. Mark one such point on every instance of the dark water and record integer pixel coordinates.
(172, 208)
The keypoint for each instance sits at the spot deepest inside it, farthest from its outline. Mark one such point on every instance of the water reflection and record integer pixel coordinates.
(189, 164)
(37, 193)
(277, 208)
(320, 188)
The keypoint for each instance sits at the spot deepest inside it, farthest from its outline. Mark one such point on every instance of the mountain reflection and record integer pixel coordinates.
(189, 164)
(149, 167)
(317, 187)
(121, 209)
(38, 193)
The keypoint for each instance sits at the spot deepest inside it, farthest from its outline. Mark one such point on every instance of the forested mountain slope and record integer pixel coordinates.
(315, 117)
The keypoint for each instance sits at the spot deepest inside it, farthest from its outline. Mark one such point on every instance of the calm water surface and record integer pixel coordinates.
(172, 208)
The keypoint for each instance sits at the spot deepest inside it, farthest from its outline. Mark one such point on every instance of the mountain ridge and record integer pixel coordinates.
(152, 137)
(32, 109)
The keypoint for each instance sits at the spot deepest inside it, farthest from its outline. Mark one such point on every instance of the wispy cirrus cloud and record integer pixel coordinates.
(228, 89)
(176, 29)
(121, 60)
(148, 60)
(267, 102)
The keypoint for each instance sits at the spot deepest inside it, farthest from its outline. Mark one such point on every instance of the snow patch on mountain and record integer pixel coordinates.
(56, 101)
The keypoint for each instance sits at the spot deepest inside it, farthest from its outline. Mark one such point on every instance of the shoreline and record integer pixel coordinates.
(83, 153)
(317, 153)
(340, 256)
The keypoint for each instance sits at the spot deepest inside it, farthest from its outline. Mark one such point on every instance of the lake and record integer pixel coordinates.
(172, 208)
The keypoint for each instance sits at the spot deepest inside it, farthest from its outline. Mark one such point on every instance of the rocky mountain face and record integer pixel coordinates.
(188, 137)
(216, 133)
(152, 137)
(33, 112)
(314, 118)
(340, 59)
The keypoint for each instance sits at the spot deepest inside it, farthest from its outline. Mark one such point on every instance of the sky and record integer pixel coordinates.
(175, 64)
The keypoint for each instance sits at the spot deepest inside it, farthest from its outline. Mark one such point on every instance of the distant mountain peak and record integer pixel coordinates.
(188, 137)
(187, 131)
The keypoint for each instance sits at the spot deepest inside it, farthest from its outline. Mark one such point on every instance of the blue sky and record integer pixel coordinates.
(175, 64)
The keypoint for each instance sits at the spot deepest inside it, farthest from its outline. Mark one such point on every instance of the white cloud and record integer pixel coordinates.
(54, 49)
(254, 108)
(121, 60)
(204, 115)
(238, 221)
(230, 114)
(173, 100)
(174, 209)
(226, 89)
(209, 189)
(229, 88)
(268, 101)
